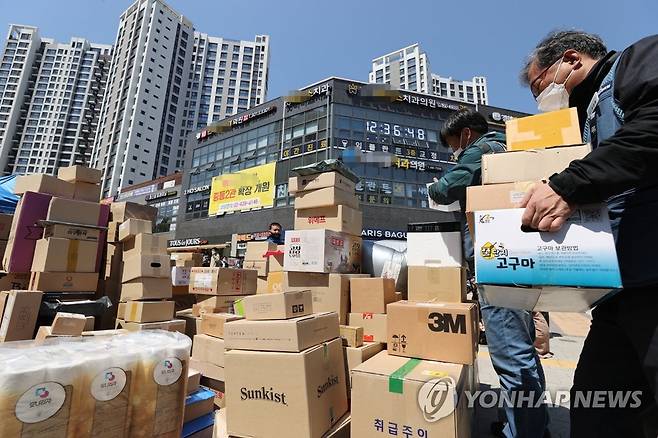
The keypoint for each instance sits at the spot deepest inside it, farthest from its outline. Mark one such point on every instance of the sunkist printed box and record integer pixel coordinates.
(566, 270)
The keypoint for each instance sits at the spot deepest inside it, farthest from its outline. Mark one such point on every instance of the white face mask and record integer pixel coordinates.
(555, 96)
(456, 153)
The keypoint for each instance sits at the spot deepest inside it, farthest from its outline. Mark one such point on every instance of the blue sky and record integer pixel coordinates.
(311, 40)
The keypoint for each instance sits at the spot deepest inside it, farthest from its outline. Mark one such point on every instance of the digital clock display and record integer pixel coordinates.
(395, 130)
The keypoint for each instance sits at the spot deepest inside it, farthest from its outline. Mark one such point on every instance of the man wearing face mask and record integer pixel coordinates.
(510, 332)
(616, 94)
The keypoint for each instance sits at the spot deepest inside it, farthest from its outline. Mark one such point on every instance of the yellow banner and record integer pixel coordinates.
(244, 190)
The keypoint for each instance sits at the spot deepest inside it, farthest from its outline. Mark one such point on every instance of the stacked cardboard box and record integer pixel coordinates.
(368, 300)
(182, 264)
(264, 257)
(327, 234)
(520, 269)
(295, 364)
(217, 289)
(146, 282)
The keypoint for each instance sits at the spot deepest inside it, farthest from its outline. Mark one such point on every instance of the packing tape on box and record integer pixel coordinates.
(72, 255)
(396, 379)
(133, 311)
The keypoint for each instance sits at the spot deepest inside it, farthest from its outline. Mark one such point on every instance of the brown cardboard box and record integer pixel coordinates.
(305, 392)
(73, 212)
(90, 323)
(223, 281)
(187, 259)
(212, 324)
(337, 218)
(198, 310)
(281, 305)
(175, 325)
(374, 325)
(146, 288)
(5, 225)
(14, 281)
(149, 311)
(193, 380)
(529, 165)
(327, 197)
(218, 301)
(294, 334)
(68, 324)
(322, 251)
(436, 283)
(83, 191)
(275, 260)
(355, 356)
(261, 285)
(494, 197)
(447, 332)
(113, 232)
(192, 323)
(43, 183)
(80, 174)
(19, 310)
(554, 128)
(410, 400)
(352, 336)
(320, 181)
(256, 250)
(44, 333)
(146, 265)
(145, 244)
(133, 227)
(371, 295)
(64, 281)
(260, 266)
(121, 310)
(72, 232)
(342, 428)
(209, 370)
(209, 349)
(122, 211)
(63, 255)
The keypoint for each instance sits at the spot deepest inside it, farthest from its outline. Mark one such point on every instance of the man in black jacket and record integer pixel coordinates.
(616, 95)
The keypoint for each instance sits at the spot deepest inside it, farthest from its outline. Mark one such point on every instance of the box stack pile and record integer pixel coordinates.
(283, 355)
(146, 280)
(520, 269)
(182, 264)
(264, 257)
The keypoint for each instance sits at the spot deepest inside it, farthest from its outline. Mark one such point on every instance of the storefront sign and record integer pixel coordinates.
(429, 102)
(251, 237)
(199, 189)
(244, 190)
(303, 149)
(500, 118)
(160, 195)
(250, 116)
(227, 124)
(193, 241)
(373, 233)
(307, 95)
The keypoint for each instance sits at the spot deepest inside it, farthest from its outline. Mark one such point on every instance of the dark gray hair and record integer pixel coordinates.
(556, 43)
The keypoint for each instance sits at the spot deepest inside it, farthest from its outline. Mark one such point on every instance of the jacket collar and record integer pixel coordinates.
(582, 93)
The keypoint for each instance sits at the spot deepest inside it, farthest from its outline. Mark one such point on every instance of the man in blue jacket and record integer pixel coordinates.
(510, 332)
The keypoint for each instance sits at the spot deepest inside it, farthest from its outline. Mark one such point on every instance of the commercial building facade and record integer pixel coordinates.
(409, 69)
(50, 99)
(337, 118)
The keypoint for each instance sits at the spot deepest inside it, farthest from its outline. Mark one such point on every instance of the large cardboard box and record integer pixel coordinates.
(581, 254)
(5, 225)
(296, 395)
(371, 295)
(45, 184)
(14, 281)
(146, 265)
(73, 212)
(73, 232)
(80, 174)
(212, 324)
(209, 349)
(83, 191)
(355, 356)
(257, 250)
(322, 251)
(434, 243)
(145, 243)
(320, 181)
(132, 227)
(146, 288)
(208, 370)
(149, 311)
(223, 281)
(337, 218)
(281, 305)
(427, 399)
(19, 310)
(187, 259)
(529, 165)
(122, 211)
(544, 130)
(436, 283)
(64, 281)
(63, 255)
(294, 334)
(447, 332)
(374, 325)
(260, 266)
(327, 197)
(68, 324)
(494, 197)
(218, 301)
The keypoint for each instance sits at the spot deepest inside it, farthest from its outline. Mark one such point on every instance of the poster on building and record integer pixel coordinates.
(243, 190)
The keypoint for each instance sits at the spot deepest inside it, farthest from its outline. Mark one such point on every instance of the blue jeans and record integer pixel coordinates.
(510, 337)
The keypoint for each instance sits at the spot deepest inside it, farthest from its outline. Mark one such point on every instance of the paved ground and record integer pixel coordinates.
(568, 331)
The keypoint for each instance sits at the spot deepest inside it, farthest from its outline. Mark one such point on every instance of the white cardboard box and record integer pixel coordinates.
(442, 247)
(322, 251)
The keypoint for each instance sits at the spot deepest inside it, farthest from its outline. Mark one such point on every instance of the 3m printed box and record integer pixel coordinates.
(582, 253)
